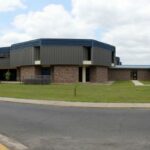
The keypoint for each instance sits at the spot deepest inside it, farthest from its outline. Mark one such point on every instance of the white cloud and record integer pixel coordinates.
(13, 37)
(10, 5)
(52, 21)
(123, 23)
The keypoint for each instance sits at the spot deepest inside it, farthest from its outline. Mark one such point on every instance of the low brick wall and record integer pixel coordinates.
(70, 74)
(143, 74)
(99, 74)
(29, 71)
(65, 74)
(119, 74)
(125, 74)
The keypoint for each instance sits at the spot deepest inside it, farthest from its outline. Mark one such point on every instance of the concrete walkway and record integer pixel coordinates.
(11, 82)
(77, 104)
(137, 83)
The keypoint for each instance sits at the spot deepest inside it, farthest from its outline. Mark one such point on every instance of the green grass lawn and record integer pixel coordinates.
(123, 91)
(146, 82)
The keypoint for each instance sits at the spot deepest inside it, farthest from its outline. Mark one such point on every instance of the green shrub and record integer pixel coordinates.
(7, 75)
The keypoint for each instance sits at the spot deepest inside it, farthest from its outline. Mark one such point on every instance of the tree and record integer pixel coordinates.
(7, 75)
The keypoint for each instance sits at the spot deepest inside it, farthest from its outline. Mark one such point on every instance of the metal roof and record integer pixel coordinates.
(131, 67)
(64, 42)
(4, 49)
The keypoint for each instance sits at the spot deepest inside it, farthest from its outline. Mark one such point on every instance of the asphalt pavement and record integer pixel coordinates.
(42, 127)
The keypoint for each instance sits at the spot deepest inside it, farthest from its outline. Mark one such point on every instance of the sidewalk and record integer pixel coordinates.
(137, 83)
(76, 104)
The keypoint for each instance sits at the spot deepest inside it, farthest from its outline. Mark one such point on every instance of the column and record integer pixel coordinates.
(83, 74)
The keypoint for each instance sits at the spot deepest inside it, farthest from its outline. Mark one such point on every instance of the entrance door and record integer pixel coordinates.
(45, 71)
(88, 74)
(80, 74)
(134, 75)
(84, 74)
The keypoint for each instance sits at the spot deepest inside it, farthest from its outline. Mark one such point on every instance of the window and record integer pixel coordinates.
(113, 57)
(45, 71)
(88, 53)
(37, 53)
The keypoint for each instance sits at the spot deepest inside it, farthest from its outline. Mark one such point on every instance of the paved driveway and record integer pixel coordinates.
(61, 128)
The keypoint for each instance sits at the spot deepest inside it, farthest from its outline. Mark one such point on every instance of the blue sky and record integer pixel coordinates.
(39, 4)
(122, 23)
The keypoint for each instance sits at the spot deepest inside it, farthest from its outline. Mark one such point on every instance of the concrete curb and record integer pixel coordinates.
(76, 104)
(3, 147)
(11, 143)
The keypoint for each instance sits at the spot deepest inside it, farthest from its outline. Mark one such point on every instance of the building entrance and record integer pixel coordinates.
(12, 74)
(84, 74)
(134, 75)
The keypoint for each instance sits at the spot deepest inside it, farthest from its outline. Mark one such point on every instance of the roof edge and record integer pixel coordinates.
(63, 41)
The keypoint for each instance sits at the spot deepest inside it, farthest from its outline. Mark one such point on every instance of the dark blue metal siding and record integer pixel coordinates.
(5, 62)
(60, 51)
(26, 44)
(5, 49)
(103, 45)
(67, 42)
(64, 42)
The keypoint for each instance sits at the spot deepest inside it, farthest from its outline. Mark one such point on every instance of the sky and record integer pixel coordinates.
(122, 23)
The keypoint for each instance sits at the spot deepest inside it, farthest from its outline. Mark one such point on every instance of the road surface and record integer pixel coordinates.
(62, 128)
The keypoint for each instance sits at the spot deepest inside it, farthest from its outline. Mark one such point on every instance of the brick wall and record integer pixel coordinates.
(99, 74)
(125, 74)
(143, 74)
(65, 74)
(29, 71)
(70, 74)
(119, 74)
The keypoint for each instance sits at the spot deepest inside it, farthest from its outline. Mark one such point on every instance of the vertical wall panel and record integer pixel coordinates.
(60, 55)
(101, 56)
(4, 63)
(72, 55)
(22, 57)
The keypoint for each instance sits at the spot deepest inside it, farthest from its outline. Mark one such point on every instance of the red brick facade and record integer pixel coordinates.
(143, 74)
(70, 74)
(65, 74)
(27, 72)
(125, 74)
(99, 74)
(119, 74)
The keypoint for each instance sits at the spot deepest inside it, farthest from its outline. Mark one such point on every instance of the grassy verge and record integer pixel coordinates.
(123, 91)
(146, 82)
